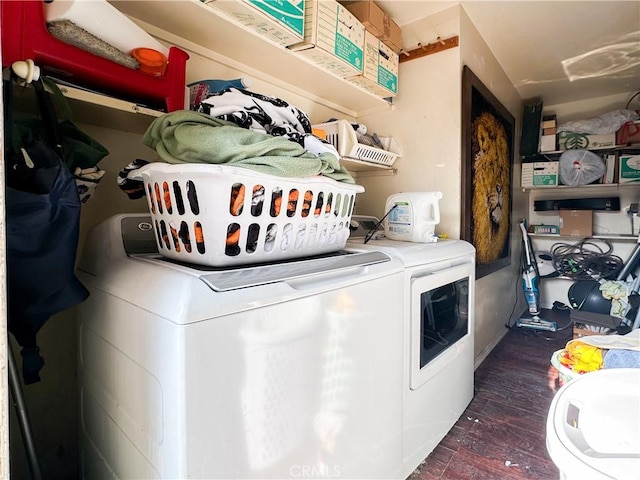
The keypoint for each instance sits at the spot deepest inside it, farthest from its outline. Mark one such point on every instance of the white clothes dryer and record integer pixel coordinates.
(264, 371)
(438, 306)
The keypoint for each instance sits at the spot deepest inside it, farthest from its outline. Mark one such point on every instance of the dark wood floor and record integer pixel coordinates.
(502, 435)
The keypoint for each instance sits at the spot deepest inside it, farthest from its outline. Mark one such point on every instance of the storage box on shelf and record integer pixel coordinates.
(342, 136)
(25, 36)
(629, 162)
(570, 140)
(220, 215)
(281, 22)
(540, 174)
(377, 22)
(210, 33)
(576, 223)
(333, 38)
(380, 69)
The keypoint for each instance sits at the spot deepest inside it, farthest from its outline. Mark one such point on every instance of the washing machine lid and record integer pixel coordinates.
(594, 424)
(222, 279)
(140, 243)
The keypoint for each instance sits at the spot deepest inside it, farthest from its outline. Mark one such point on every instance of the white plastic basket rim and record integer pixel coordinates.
(212, 169)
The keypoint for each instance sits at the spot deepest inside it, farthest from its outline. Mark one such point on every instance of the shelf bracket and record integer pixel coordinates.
(431, 48)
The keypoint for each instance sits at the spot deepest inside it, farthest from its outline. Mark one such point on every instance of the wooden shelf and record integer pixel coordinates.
(193, 26)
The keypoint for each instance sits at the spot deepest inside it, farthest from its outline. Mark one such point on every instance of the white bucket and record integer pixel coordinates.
(593, 426)
(414, 216)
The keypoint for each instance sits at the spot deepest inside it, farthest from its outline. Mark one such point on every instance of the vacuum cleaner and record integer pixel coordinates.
(530, 276)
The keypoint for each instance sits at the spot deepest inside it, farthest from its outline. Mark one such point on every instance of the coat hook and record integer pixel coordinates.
(26, 70)
(404, 52)
(421, 46)
(439, 39)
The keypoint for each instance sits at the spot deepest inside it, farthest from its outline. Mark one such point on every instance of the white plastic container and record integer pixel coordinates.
(414, 216)
(341, 135)
(219, 215)
(593, 426)
(104, 21)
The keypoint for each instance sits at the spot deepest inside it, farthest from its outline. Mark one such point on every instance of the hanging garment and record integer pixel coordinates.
(42, 222)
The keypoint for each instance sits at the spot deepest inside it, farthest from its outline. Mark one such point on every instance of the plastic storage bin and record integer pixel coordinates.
(341, 135)
(219, 215)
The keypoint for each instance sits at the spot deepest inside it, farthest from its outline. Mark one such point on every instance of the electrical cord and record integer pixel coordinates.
(515, 303)
(585, 260)
(373, 231)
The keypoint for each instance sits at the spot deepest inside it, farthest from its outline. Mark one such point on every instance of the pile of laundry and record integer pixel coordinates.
(237, 127)
(595, 352)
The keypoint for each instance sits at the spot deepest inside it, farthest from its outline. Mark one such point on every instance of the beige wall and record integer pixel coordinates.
(498, 294)
(426, 119)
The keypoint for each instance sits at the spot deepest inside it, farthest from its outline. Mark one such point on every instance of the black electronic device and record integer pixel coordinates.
(610, 204)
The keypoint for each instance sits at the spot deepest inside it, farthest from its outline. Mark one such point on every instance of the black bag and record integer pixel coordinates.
(42, 222)
(80, 152)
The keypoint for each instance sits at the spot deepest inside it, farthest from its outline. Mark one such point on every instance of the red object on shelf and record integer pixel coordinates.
(25, 36)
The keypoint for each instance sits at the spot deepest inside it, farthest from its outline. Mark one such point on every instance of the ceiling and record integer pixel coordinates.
(560, 51)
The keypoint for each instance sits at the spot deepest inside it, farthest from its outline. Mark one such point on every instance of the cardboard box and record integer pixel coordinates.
(548, 143)
(281, 21)
(571, 141)
(377, 22)
(576, 223)
(629, 168)
(333, 38)
(380, 69)
(369, 14)
(392, 35)
(540, 174)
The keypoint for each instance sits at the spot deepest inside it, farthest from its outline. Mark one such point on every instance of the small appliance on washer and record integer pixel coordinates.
(439, 292)
(263, 371)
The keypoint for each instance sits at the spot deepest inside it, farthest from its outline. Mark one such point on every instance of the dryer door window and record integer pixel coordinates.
(441, 319)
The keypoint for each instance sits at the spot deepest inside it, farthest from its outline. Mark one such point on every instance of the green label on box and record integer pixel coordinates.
(289, 13)
(387, 79)
(630, 168)
(348, 51)
(541, 180)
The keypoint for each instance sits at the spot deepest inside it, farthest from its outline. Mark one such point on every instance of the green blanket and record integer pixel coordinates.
(190, 137)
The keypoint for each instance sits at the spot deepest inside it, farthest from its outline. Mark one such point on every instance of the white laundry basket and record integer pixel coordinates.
(219, 215)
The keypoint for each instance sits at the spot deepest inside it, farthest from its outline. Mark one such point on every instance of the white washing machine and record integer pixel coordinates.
(289, 370)
(438, 305)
